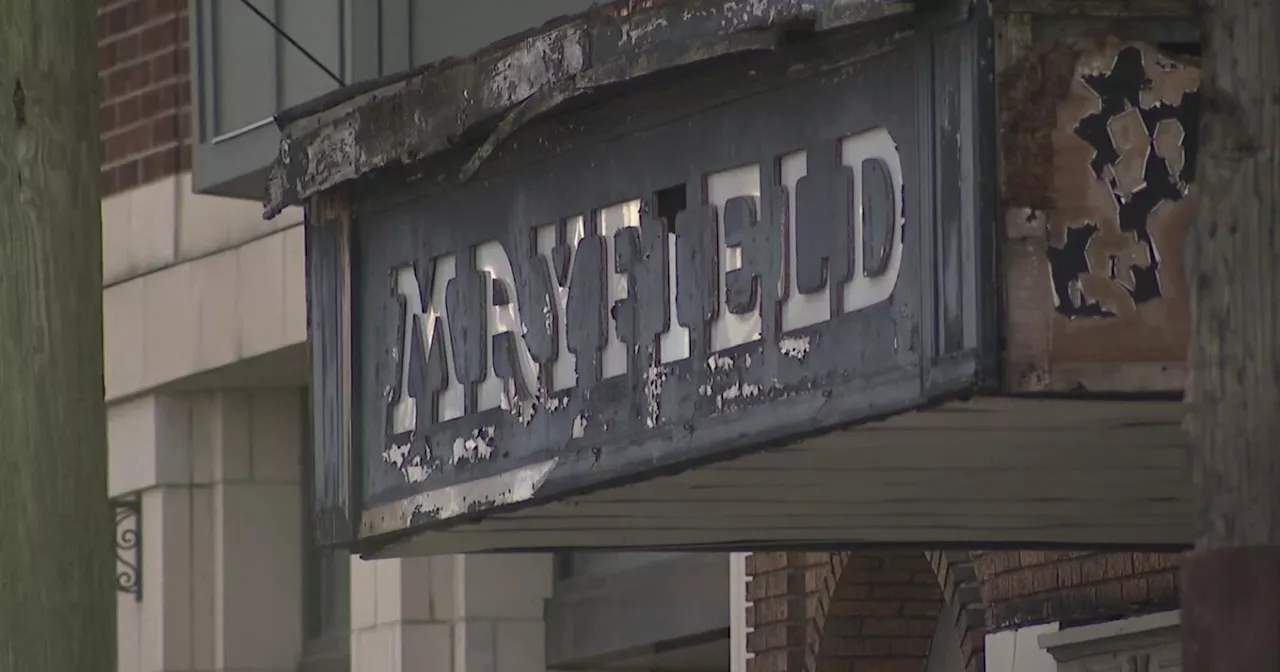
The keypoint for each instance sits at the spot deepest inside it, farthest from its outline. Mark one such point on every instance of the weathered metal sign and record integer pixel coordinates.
(654, 283)
(617, 292)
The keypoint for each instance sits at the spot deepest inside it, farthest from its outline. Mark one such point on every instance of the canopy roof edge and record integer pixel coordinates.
(408, 117)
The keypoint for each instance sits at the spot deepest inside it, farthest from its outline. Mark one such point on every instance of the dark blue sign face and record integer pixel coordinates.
(661, 280)
(620, 290)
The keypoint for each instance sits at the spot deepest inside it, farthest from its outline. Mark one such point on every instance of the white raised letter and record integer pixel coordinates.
(563, 373)
(404, 417)
(798, 310)
(495, 266)
(727, 329)
(610, 220)
(862, 291)
(673, 344)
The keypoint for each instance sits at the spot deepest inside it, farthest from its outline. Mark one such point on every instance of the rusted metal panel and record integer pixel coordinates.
(1098, 144)
(778, 244)
(406, 118)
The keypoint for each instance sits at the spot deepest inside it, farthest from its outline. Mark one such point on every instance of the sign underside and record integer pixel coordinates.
(985, 472)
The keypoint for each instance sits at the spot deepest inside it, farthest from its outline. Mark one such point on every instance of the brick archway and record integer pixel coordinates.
(873, 611)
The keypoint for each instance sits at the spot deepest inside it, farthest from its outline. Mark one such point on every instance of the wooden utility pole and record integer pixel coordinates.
(57, 601)
(1231, 582)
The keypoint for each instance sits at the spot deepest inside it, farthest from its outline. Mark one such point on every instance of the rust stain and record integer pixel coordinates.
(1030, 92)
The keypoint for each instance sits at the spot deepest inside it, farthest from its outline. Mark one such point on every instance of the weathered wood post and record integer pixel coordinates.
(57, 606)
(1231, 582)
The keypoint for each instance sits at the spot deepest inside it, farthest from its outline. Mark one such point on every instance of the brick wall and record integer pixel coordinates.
(872, 611)
(1028, 587)
(145, 91)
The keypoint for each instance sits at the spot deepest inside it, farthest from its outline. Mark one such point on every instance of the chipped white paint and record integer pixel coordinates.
(795, 347)
(654, 378)
(509, 487)
(414, 471)
(538, 61)
(522, 409)
(395, 455)
(478, 446)
(741, 391)
(636, 29)
(334, 156)
(719, 363)
(735, 392)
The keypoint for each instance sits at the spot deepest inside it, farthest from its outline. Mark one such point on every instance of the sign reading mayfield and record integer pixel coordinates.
(601, 285)
(676, 281)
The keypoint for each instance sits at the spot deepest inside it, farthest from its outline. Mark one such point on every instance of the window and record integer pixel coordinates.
(326, 576)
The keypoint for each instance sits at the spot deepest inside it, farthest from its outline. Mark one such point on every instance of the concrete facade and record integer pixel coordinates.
(205, 343)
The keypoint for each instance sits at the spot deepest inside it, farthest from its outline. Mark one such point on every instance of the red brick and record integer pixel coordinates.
(865, 608)
(921, 608)
(898, 626)
(127, 176)
(129, 110)
(856, 646)
(160, 164)
(877, 576)
(107, 119)
(910, 592)
(842, 626)
(776, 636)
(909, 646)
(889, 665)
(873, 610)
(145, 91)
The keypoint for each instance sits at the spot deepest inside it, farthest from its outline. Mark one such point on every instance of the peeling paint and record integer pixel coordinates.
(509, 487)
(346, 134)
(737, 390)
(633, 31)
(478, 446)
(414, 470)
(795, 347)
(395, 455)
(1126, 116)
(1100, 137)
(744, 378)
(523, 409)
(654, 377)
(719, 363)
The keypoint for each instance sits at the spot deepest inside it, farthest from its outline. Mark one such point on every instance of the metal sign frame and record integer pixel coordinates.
(412, 434)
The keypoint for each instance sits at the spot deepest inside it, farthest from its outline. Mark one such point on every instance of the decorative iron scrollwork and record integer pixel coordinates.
(129, 546)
